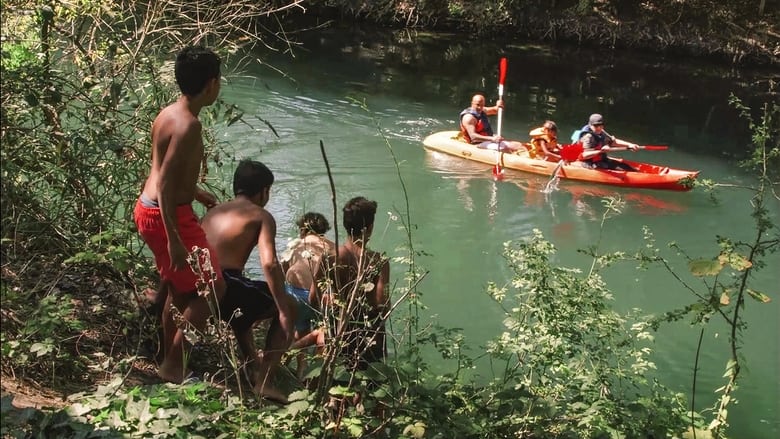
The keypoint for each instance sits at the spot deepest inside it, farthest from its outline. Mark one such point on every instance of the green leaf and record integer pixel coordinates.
(186, 417)
(41, 349)
(704, 267)
(341, 391)
(736, 260)
(697, 433)
(757, 295)
(416, 431)
(296, 407)
(162, 413)
(298, 395)
(355, 429)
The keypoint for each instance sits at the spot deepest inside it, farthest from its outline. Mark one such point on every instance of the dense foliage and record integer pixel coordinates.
(81, 83)
(733, 30)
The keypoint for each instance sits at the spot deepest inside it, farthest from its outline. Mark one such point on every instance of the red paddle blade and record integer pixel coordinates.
(502, 71)
(571, 152)
(498, 173)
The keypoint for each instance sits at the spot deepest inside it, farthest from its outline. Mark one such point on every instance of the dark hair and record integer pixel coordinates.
(358, 216)
(195, 67)
(313, 222)
(550, 125)
(251, 177)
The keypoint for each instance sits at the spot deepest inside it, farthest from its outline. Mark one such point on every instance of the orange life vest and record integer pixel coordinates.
(537, 136)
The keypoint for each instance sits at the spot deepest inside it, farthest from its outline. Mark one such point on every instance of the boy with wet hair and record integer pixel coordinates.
(361, 280)
(234, 228)
(164, 214)
(313, 222)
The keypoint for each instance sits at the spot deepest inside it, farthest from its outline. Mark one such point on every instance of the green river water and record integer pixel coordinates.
(343, 88)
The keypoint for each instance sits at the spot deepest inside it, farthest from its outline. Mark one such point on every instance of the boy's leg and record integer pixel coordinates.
(301, 342)
(196, 311)
(275, 347)
(249, 355)
(309, 339)
(165, 295)
(276, 344)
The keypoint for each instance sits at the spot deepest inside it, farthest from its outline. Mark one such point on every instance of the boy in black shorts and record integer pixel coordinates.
(233, 229)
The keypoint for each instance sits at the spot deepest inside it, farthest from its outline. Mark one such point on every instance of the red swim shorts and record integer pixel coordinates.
(150, 226)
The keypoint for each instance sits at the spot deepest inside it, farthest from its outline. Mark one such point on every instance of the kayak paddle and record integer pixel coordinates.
(593, 152)
(647, 147)
(498, 173)
(568, 153)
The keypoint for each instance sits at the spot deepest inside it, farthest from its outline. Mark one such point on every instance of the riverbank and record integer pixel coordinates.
(724, 31)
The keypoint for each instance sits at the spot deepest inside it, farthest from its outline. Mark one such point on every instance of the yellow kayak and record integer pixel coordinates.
(647, 175)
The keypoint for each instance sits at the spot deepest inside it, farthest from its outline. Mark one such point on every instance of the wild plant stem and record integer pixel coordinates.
(695, 375)
(332, 198)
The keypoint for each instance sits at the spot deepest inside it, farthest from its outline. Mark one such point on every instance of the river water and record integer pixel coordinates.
(358, 91)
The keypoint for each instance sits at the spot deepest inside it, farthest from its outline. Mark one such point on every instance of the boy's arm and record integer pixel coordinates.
(205, 198)
(171, 170)
(382, 298)
(548, 152)
(273, 272)
(315, 296)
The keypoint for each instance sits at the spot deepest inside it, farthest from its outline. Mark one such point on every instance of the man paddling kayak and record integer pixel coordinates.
(475, 126)
(593, 138)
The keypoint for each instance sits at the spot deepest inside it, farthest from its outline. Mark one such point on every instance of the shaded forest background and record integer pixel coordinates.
(734, 31)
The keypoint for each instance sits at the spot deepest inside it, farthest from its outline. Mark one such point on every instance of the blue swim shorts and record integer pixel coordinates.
(305, 312)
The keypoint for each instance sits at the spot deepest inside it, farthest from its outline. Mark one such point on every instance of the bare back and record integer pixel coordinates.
(305, 260)
(366, 267)
(177, 154)
(233, 229)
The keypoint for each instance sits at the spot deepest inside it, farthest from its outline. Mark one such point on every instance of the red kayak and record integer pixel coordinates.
(646, 176)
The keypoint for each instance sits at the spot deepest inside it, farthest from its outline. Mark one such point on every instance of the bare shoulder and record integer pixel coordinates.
(377, 259)
(262, 215)
(176, 119)
(236, 211)
(469, 118)
(327, 244)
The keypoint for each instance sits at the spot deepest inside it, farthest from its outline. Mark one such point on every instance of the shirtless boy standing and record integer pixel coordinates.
(164, 214)
(361, 277)
(234, 228)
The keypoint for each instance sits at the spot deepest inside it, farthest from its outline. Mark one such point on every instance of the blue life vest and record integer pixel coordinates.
(601, 139)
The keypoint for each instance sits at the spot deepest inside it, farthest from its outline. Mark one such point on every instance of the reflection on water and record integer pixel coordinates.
(585, 198)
